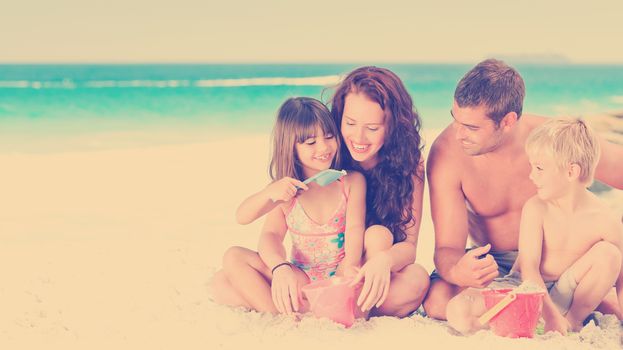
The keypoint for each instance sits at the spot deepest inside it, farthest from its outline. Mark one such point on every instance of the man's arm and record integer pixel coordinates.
(610, 166)
(449, 213)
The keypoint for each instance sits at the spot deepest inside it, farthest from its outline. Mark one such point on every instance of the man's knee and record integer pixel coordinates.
(461, 312)
(439, 295)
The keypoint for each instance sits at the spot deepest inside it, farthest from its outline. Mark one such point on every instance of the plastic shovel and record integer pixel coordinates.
(326, 177)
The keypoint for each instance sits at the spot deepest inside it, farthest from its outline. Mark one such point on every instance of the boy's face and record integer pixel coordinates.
(551, 182)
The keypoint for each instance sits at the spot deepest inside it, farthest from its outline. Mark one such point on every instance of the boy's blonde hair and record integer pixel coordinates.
(568, 141)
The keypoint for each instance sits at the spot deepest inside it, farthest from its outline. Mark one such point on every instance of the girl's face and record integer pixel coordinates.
(317, 152)
(363, 128)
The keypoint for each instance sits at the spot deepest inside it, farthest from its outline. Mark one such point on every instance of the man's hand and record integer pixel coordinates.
(476, 268)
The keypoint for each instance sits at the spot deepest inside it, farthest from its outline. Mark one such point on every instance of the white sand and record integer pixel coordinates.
(113, 249)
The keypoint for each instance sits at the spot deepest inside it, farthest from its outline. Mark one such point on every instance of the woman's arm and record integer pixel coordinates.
(404, 253)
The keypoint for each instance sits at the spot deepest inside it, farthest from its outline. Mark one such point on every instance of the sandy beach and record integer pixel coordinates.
(114, 248)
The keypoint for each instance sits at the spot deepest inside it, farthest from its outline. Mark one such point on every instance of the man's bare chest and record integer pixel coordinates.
(496, 190)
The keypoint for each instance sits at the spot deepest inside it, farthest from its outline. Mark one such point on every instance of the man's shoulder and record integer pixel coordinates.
(445, 146)
(604, 214)
(531, 121)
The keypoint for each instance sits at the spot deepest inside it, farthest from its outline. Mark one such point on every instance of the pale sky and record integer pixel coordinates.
(235, 31)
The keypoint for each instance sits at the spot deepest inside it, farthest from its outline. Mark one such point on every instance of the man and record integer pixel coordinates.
(478, 176)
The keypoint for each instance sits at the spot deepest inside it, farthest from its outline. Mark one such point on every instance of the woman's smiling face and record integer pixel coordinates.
(363, 128)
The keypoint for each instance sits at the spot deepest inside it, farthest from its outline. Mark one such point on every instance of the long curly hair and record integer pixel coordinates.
(390, 187)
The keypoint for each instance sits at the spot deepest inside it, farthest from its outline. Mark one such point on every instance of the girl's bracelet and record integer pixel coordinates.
(279, 265)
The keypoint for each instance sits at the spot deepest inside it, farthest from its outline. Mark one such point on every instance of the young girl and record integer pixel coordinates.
(326, 224)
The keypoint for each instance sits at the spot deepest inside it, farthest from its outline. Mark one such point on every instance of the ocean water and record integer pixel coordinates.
(55, 101)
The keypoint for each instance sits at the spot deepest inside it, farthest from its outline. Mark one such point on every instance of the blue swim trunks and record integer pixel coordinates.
(504, 259)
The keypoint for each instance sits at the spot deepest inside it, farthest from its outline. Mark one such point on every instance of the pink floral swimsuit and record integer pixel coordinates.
(317, 249)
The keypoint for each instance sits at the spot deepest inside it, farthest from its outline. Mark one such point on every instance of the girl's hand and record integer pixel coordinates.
(376, 273)
(284, 189)
(285, 290)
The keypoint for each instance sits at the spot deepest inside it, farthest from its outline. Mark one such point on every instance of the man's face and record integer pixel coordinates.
(474, 130)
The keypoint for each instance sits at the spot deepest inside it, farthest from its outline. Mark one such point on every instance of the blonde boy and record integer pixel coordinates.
(569, 242)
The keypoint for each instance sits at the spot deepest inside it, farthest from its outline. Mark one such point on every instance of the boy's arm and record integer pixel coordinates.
(355, 222)
(615, 236)
(530, 252)
(262, 202)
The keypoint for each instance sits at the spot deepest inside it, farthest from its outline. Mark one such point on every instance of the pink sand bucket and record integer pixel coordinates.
(332, 298)
(512, 315)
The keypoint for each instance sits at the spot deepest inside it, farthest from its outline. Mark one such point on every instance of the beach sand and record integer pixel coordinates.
(114, 249)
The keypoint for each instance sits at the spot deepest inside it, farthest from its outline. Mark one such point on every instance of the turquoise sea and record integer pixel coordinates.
(49, 102)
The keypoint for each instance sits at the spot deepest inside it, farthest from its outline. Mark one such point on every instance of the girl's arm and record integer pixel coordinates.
(355, 223)
(271, 196)
(530, 253)
(285, 289)
(270, 246)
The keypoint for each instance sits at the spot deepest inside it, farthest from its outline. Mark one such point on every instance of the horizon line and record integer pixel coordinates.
(263, 62)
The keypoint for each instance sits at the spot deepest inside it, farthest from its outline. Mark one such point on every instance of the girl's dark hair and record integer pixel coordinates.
(297, 120)
(390, 187)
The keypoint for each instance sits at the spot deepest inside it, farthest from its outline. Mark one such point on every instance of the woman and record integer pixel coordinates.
(380, 132)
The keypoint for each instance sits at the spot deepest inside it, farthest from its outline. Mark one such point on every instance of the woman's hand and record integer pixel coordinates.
(285, 290)
(284, 189)
(376, 273)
